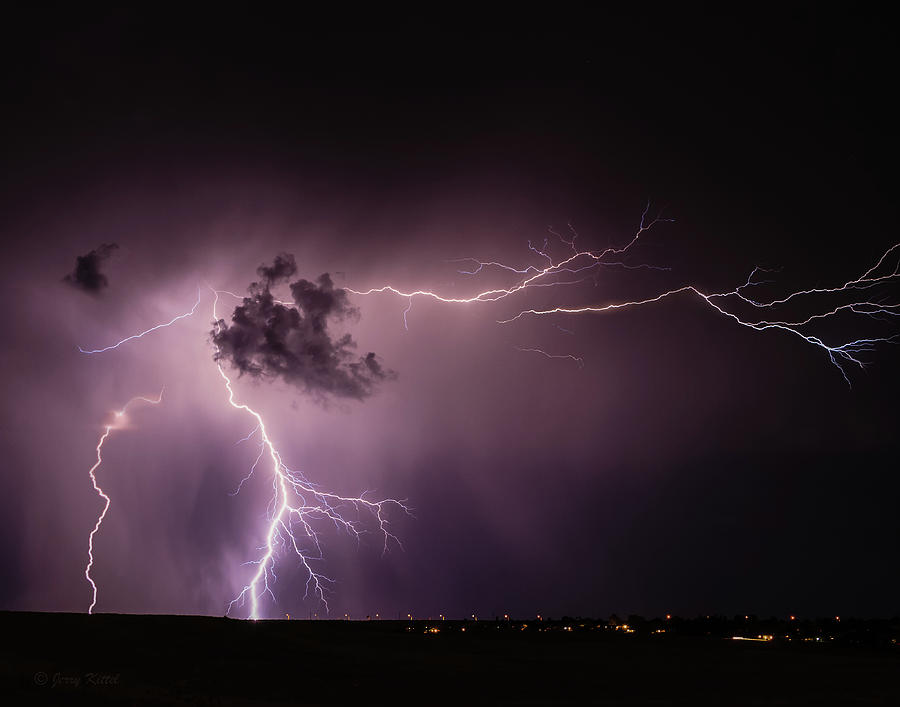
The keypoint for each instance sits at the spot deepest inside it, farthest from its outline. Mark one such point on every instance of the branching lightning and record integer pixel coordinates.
(841, 354)
(118, 420)
(298, 506)
(577, 263)
(295, 509)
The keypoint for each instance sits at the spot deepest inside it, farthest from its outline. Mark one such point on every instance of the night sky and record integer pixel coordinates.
(690, 466)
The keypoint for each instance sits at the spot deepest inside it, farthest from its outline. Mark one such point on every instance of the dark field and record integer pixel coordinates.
(123, 659)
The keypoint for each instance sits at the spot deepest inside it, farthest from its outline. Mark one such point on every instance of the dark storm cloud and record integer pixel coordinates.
(283, 268)
(269, 339)
(86, 275)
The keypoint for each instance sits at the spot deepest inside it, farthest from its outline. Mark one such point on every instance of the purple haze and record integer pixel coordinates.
(689, 466)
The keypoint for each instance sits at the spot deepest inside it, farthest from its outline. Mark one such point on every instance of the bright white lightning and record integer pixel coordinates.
(147, 331)
(118, 417)
(296, 505)
(883, 272)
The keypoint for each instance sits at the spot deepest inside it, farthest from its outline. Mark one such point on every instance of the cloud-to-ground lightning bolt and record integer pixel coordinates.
(118, 417)
(886, 270)
(296, 505)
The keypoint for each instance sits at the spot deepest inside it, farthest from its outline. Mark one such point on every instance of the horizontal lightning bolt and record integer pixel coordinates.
(577, 359)
(589, 260)
(297, 506)
(846, 352)
(840, 354)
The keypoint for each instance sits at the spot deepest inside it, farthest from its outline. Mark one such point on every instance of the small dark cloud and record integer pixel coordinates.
(86, 275)
(284, 268)
(270, 339)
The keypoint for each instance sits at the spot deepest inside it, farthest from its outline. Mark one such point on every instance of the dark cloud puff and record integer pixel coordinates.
(269, 339)
(86, 275)
(283, 268)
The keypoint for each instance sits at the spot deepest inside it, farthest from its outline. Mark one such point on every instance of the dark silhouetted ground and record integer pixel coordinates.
(123, 659)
